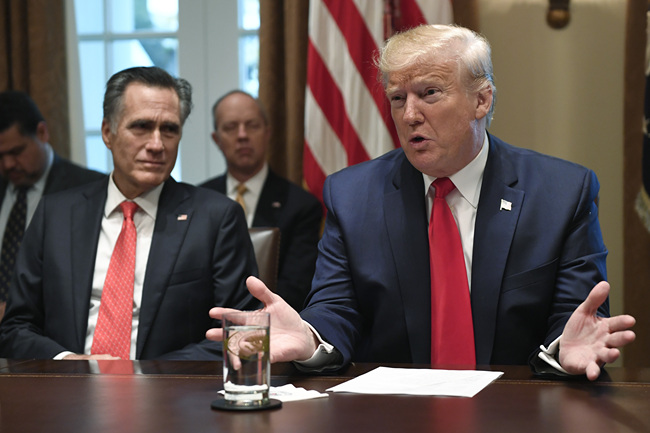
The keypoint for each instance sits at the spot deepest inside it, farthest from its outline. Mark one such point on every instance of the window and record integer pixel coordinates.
(198, 40)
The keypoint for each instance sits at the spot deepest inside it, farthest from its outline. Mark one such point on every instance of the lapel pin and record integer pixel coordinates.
(182, 217)
(276, 204)
(505, 205)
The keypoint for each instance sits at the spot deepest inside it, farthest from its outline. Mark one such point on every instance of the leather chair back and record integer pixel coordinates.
(266, 243)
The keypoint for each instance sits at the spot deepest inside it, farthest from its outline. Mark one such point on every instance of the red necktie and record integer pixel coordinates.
(452, 331)
(113, 331)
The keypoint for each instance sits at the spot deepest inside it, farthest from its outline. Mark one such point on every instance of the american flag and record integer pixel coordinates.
(347, 117)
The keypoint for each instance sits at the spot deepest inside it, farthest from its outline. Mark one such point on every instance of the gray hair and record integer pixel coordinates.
(422, 44)
(149, 76)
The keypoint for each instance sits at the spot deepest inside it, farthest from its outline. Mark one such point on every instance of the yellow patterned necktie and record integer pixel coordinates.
(241, 190)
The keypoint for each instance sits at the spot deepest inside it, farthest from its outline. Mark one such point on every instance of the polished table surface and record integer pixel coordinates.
(159, 396)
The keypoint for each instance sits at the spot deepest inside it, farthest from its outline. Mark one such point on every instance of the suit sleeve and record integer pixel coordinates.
(581, 265)
(22, 333)
(332, 307)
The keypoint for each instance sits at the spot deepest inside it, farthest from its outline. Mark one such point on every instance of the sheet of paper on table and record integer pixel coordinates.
(413, 381)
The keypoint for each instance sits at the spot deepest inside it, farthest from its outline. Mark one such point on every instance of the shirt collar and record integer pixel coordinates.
(254, 184)
(147, 201)
(469, 179)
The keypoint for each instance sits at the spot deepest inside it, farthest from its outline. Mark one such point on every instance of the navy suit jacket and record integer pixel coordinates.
(532, 265)
(298, 215)
(200, 257)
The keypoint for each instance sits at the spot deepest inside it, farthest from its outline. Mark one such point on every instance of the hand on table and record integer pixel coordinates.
(99, 357)
(588, 341)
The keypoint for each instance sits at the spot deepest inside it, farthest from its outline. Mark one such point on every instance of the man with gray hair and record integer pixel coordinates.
(128, 267)
(457, 249)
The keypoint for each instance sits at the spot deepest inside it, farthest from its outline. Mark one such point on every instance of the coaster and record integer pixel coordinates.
(223, 404)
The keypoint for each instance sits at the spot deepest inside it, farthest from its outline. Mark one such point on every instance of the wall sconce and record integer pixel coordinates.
(558, 14)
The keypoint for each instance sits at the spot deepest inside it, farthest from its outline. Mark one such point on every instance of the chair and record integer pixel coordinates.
(266, 244)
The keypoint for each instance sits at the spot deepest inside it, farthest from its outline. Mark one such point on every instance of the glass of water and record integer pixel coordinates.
(246, 362)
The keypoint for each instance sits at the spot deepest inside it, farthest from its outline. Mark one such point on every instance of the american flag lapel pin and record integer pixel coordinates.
(276, 205)
(505, 205)
(182, 217)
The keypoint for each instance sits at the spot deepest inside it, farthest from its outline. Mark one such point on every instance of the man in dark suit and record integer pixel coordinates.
(242, 132)
(528, 226)
(191, 251)
(28, 162)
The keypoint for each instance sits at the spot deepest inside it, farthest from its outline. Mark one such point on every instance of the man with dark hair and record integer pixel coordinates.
(29, 169)
(242, 133)
(129, 266)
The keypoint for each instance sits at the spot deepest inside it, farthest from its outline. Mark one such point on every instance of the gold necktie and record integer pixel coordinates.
(241, 190)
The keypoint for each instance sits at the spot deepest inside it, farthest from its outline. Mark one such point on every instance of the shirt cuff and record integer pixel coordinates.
(325, 357)
(62, 355)
(549, 355)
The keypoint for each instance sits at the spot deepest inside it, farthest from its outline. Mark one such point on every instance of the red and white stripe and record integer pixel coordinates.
(347, 117)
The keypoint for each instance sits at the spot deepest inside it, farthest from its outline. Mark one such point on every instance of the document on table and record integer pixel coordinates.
(413, 381)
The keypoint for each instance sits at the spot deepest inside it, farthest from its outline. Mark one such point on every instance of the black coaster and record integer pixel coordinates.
(223, 404)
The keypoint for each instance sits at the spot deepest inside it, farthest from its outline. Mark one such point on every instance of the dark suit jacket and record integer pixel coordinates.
(63, 175)
(195, 263)
(298, 214)
(532, 265)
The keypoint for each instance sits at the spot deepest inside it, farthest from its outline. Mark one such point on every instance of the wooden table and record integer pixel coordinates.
(70, 396)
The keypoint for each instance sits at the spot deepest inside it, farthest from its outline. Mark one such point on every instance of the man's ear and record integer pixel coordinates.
(484, 99)
(215, 138)
(42, 133)
(106, 133)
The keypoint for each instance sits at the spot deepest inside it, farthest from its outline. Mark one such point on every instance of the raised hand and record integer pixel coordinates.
(589, 341)
(291, 337)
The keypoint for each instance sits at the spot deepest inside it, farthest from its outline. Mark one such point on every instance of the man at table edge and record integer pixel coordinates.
(537, 258)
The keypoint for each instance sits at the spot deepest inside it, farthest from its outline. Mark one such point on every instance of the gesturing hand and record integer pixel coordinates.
(291, 338)
(589, 341)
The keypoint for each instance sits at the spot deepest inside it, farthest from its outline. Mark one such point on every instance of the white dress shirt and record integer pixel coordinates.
(252, 195)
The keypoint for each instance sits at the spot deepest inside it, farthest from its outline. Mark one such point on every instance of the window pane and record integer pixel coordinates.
(249, 54)
(92, 65)
(128, 16)
(89, 15)
(249, 14)
(97, 155)
(146, 52)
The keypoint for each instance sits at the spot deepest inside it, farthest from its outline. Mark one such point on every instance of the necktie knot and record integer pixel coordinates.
(241, 189)
(443, 186)
(128, 209)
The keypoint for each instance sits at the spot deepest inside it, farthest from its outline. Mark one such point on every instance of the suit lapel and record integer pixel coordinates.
(85, 224)
(493, 233)
(404, 199)
(272, 198)
(173, 218)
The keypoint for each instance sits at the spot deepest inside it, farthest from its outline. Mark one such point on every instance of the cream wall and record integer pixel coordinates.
(560, 92)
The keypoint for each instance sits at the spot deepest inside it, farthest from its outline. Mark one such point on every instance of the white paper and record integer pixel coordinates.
(291, 393)
(412, 381)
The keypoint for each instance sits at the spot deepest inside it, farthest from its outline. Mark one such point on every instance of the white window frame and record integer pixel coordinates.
(208, 38)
